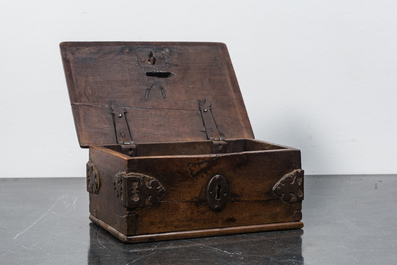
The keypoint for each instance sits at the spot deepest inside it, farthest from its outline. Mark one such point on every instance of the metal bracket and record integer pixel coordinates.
(137, 190)
(211, 129)
(93, 182)
(128, 149)
(121, 127)
(149, 59)
(290, 187)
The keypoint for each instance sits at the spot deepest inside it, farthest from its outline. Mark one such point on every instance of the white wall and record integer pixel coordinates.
(317, 75)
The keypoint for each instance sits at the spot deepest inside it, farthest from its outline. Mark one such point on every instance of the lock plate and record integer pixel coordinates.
(217, 193)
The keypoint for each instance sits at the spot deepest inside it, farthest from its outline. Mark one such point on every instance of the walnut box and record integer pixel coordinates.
(171, 149)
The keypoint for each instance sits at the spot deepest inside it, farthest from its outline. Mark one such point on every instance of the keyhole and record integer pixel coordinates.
(218, 192)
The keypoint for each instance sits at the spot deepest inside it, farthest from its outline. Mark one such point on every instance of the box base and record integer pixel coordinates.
(195, 233)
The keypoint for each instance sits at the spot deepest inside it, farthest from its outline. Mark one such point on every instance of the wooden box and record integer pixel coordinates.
(171, 149)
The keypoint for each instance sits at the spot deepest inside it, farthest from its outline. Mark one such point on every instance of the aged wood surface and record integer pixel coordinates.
(251, 176)
(160, 99)
(172, 152)
(196, 233)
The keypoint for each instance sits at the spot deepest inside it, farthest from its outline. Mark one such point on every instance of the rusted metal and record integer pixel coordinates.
(217, 193)
(121, 127)
(290, 187)
(138, 190)
(93, 182)
(211, 128)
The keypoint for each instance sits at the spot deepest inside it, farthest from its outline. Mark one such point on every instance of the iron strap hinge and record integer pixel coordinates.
(120, 123)
(211, 128)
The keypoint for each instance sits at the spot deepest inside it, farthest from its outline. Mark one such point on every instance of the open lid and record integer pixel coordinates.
(124, 92)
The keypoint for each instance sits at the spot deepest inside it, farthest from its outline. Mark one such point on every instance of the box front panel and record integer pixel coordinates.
(251, 178)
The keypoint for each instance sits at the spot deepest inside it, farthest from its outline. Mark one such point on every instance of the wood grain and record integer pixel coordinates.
(161, 121)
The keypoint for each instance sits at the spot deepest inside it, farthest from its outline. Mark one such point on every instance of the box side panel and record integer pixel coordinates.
(104, 204)
(251, 177)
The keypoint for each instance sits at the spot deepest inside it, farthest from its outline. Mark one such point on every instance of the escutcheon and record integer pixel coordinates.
(217, 193)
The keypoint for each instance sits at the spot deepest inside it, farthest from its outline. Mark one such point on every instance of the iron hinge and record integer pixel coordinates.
(211, 128)
(120, 123)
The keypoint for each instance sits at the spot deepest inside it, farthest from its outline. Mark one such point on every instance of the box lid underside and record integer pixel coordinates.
(153, 92)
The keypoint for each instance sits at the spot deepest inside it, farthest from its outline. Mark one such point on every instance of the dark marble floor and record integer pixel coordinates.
(348, 220)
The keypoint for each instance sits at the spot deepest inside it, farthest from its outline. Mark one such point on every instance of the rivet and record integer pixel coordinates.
(205, 110)
(120, 115)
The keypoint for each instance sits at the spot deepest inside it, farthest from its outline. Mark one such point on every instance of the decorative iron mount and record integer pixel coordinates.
(290, 187)
(137, 190)
(93, 182)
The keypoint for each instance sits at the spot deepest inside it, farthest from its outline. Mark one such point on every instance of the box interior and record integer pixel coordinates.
(194, 148)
